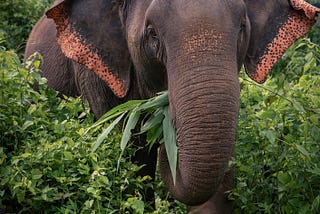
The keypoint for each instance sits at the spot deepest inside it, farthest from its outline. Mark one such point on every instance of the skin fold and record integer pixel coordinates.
(110, 52)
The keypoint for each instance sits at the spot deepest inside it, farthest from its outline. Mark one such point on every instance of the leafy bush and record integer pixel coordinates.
(16, 20)
(155, 121)
(46, 163)
(314, 33)
(277, 147)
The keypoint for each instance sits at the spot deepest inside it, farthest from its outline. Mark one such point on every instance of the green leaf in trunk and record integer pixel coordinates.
(155, 134)
(169, 136)
(160, 100)
(155, 120)
(131, 124)
(116, 111)
(106, 132)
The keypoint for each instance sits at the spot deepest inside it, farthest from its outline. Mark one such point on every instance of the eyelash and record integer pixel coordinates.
(151, 32)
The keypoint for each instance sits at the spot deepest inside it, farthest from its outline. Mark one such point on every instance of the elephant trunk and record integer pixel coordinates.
(204, 107)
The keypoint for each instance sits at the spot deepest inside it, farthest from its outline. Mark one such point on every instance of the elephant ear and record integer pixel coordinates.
(90, 33)
(275, 26)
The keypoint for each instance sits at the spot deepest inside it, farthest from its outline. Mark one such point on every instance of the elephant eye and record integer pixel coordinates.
(152, 32)
(242, 27)
(152, 41)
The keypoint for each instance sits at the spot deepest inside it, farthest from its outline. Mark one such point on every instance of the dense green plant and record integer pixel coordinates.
(314, 33)
(16, 20)
(155, 123)
(46, 163)
(277, 147)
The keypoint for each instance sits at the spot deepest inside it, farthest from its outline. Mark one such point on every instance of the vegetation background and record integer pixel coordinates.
(46, 164)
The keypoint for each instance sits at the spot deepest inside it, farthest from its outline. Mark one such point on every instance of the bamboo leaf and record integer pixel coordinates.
(115, 112)
(155, 134)
(131, 124)
(102, 121)
(169, 136)
(160, 100)
(153, 121)
(106, 132)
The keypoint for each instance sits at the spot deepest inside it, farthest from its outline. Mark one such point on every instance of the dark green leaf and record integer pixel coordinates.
(155, 134)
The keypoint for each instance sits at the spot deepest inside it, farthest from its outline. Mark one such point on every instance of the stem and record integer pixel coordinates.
(267, 89)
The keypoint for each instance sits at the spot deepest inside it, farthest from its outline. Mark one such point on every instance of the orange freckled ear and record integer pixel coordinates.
(78, 48)
(299, 19)
(309, 10)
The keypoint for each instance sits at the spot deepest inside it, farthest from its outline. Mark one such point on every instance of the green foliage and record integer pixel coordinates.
(156, 117)
(277, 147)
(46, 163)
(16, 20)
(314, 33)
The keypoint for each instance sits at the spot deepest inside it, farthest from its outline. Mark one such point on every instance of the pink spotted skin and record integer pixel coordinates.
(76, 48)
(310, 10)
(297, 25)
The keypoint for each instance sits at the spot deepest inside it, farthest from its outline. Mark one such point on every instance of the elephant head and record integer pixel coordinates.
(194, 49)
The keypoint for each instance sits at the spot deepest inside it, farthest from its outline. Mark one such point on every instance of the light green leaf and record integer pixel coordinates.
(160, 100)
(36, 174)
(315, 133)
(316, 204)
(106, 132)
(303, 150)
(26, 155)
(68, 155)
(27, 124)
(32, 108)
(169, 135)
(153, 121)
(131, 124)
(315, 171)
(298, 107)
(115, 112)
(310, 64)
(271, 135)
(138, 206)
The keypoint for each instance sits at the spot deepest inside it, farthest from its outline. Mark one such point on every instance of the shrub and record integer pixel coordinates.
(277, 147)
(16, 20)
(46, 163)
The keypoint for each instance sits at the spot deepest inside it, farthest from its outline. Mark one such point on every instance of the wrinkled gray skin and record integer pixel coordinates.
(194, 49)
(66, 76)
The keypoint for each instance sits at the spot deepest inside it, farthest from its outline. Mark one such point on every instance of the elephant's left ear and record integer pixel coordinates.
(90, 33)
(275, 26)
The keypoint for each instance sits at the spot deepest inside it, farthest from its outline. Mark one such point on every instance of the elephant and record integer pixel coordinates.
(112, 51)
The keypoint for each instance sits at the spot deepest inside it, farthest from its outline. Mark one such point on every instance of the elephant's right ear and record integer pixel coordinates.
(275, 26)
(90, 33)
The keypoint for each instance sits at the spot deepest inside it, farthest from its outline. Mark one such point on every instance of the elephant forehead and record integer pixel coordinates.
(203, 44)
(204, 39)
